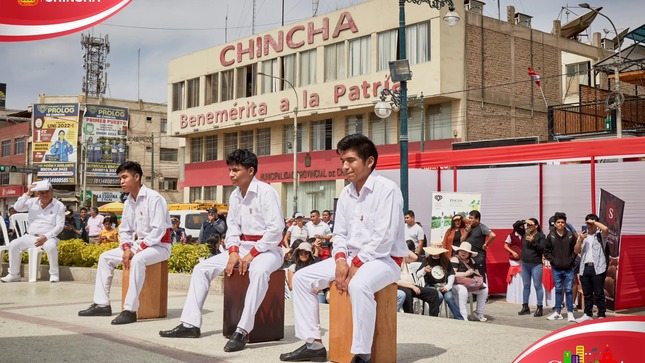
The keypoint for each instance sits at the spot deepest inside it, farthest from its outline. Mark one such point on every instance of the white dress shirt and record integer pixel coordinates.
(48, 221)
(257, 214)
(147, 216)
(95, 225)
(321, 228)
(370, 225)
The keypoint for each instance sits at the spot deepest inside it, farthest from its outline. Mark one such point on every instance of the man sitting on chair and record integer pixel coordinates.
(145, 213)
(46, 218)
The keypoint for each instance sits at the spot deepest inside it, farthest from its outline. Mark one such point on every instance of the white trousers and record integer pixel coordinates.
(17, 246)
(113, 258)
(462, 295)
(369, 279)
(259, 272)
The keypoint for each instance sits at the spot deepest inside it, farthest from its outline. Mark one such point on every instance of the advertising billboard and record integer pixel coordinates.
(55, 147)
(105, 131)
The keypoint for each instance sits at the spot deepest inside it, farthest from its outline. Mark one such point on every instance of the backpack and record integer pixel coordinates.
(605, 248)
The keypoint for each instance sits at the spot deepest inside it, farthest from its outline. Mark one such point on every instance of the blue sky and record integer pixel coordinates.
(166, 29)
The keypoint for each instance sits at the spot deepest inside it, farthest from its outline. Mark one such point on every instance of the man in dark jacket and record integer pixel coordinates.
(214, 225)
(559, 251)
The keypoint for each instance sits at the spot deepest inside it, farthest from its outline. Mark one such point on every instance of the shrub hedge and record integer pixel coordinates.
(76, 252)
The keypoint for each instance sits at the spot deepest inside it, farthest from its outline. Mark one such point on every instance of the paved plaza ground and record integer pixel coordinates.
(39, 323)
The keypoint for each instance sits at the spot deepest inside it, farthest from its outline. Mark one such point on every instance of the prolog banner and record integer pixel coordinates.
(447, 205)
(55, 135)
(611, 213)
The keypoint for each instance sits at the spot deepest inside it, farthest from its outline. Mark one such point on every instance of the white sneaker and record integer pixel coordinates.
(54, 278)
(583, 318)
(10, 278)
(480, 317)
(555, 316)
(570, 317)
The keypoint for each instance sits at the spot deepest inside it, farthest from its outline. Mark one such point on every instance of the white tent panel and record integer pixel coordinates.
(567, 188)
(625, 180)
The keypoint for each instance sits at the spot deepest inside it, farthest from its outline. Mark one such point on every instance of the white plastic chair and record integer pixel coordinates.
(413, 267)
(21, 222)
(4, 249)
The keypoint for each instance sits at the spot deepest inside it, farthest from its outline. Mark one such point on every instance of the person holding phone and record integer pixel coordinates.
(593, 266)
(531, 260)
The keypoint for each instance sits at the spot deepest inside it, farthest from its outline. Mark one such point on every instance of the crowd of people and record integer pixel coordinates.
(369, 244)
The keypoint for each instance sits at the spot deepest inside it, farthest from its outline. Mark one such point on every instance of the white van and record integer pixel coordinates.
(190, 220)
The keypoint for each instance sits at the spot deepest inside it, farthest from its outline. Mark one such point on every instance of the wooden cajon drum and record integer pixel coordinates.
(153, 299)
(269, 320)
(341, 327)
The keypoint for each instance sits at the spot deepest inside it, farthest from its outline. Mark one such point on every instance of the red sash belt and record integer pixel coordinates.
(398, 260)
(249, 238)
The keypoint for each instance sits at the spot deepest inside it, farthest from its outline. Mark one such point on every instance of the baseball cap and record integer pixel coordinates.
(212, 210)
(42, 186)
(298, 215)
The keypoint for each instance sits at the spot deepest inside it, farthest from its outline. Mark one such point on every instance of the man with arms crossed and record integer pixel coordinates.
(255, 225)
(46, 217)
(145, 213)
(368, 249)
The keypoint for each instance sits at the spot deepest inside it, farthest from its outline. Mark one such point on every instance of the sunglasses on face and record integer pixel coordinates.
(303, 252)
(530, 225)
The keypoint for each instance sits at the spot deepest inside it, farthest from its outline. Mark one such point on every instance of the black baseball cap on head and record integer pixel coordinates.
(212, 211)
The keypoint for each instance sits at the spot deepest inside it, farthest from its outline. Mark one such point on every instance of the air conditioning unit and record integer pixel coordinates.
(523, 20)
(474, 6)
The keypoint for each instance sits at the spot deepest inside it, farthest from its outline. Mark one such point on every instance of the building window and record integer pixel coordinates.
(379, 130)
(167, 154)
(335, 62)
(230, 142)
(414, 124)
(19, 147)
(417, 42)
(196, 150)
(270, 84)
(6, 148)
(359, 56)
(211, 147)
(577, 74)
(263, 142)
(4, 178)
(439, 122)
(289, 70)
(195, 194)
(287, 134)
(210, 193)
(228, 190)
(212, 88)
(387, 48)
(246, 140)
(192, 93)
(163, 125)
(227, 85)
(246, 81)
(321, 132)
(308, 67)
(354, 125)
(168, 184)
(177, 96)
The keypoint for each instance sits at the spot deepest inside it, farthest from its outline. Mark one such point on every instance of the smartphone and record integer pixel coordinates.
(584, 229)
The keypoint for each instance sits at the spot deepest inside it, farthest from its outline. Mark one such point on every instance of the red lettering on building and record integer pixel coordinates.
(267, 44)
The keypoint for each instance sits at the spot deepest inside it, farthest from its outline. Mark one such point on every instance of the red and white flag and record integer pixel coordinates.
(535, 76)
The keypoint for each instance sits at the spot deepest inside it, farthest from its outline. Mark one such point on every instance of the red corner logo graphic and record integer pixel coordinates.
(24, 20)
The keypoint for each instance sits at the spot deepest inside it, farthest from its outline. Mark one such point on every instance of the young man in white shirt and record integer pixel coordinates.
(591, 246)
(94, 225)
(255, 225)
(145, 213)
(369, 247)
(46, 217)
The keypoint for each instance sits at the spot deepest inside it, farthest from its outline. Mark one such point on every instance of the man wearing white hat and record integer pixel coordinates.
(46, 217)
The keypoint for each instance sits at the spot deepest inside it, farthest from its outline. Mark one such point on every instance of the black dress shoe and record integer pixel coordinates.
(303, 354)
(358, 359)
(95, 310)
(181, 332)
(237, 342)
(126, 317)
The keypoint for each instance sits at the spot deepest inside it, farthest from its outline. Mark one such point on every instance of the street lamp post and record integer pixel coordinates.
(295, 139)
(400, 72)
(619, 61)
